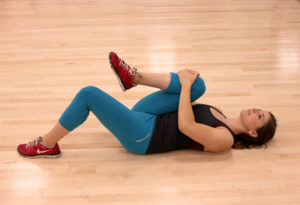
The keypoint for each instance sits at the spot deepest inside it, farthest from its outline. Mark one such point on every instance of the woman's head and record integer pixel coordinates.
(260, 126)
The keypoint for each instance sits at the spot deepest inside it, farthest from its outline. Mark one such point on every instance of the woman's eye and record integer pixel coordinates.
(259, 117)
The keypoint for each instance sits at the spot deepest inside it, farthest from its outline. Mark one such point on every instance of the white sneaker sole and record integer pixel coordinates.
(42, 156)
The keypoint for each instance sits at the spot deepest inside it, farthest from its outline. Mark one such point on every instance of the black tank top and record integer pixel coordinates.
(166, 135)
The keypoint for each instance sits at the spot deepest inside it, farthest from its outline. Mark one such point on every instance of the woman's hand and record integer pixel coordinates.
(187, 77)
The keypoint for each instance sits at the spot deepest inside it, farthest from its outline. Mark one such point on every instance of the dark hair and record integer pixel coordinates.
(265, 134)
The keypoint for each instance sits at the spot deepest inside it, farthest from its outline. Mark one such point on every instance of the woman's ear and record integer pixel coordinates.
(253, 133)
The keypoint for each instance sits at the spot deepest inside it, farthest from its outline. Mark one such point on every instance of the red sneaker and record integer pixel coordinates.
(124, 72)
(35, 149)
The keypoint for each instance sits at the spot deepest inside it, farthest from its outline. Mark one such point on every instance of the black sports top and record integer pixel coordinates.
(166, 135)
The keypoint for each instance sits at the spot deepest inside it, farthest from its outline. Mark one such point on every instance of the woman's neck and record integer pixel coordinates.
(236, 125)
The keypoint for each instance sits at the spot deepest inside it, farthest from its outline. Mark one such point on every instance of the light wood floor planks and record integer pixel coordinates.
(248, 52)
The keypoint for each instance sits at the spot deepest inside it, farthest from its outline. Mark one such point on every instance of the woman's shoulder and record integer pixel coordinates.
(223, 141)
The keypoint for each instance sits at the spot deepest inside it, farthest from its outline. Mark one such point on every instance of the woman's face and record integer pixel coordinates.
(253, 119)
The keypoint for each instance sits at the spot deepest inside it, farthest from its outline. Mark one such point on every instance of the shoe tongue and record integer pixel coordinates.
(39, 139)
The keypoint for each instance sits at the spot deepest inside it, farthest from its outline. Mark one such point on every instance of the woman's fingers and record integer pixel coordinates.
(193, 72)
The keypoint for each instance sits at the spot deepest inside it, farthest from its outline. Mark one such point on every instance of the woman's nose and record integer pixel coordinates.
(255, 110)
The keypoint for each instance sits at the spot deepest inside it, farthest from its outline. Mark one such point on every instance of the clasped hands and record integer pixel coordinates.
(187, 76)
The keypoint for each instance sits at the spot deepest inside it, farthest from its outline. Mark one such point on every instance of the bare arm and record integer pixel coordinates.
(213, 139)
(185, 111)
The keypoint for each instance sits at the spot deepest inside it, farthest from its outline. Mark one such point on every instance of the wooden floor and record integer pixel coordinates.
(248, 52)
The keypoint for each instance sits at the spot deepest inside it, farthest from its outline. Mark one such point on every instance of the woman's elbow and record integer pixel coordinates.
(182, 127)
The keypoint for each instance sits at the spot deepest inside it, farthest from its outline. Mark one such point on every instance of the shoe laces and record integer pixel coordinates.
(34, 142)
(130, 69)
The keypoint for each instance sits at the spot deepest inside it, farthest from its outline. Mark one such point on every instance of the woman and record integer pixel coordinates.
(162, 121)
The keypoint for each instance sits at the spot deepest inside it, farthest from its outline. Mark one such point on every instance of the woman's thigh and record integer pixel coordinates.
(162, 102)
(133, 129)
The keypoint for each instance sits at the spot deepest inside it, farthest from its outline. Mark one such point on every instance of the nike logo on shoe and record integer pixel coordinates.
(41, 152)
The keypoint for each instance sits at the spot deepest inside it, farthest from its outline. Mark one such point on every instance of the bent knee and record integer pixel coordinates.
(88, 91)
(198, 89)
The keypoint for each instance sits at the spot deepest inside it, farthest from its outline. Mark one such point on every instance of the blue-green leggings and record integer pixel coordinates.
(134, 127)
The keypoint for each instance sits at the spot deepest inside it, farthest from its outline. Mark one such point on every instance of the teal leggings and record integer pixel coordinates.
(134, 127)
